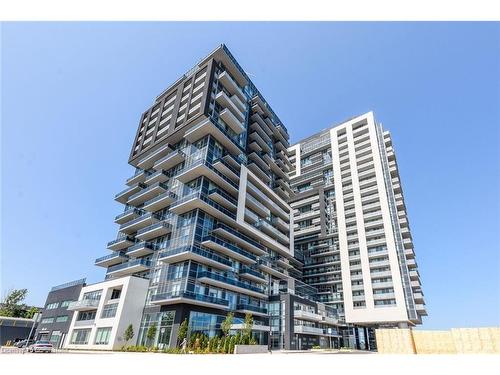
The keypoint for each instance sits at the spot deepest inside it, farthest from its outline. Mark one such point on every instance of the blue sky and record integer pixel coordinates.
(72, 94)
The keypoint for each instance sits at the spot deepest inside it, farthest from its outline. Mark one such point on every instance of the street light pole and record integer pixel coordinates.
(35, 318)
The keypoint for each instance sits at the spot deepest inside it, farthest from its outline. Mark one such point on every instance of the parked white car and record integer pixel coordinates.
(40, 347)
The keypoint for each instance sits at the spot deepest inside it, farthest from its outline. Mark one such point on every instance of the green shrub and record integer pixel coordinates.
(316, 347)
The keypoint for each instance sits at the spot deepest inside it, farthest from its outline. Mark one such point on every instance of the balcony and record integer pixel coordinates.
(228, 283)
(146, 194)
(272, 269)
(189, 298)
(256, 206)
(138, 223)
(252, 309)
(128, 215)
(267, 227)
(139, 176)
(198, 255)
(84, 305)
(198, 200)
(218, 244)
(306, 330)
(111, 259)
(252, 274)
(120, 243)
(201, 167)
(124, 195)
(129, 268)
(207, 127)
(239, 239)
(155, 230)
(230, 120)
(140, 249)
(227, 103)
(148, 161)
(227, 169)
(307, 315)
(159, 176)
(258, 171)
(224, 199)
(169, 161)
(159, 202)
(231, 86)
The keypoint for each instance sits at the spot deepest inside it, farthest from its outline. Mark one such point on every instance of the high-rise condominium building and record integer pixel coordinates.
(207, 227)
(352, 226)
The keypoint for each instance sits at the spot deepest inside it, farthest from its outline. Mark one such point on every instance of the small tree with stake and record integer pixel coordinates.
(129, 333)
(247, 330)
(183, 329)
(151, 334)
(227, 323)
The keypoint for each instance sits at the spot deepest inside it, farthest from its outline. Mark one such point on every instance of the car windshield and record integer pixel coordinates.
(42, 342)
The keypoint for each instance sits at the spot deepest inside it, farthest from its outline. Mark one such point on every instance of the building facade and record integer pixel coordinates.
(352, 226)
(56, 317)
(212, 224)
(103, 311)
(206, 217)
(13, 330)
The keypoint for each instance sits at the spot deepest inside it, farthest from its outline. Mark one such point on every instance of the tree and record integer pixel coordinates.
(31, 312)
(12, 306)
(129, 333)
(247, 329)
(183, 329)
(227, 323)
(151, 334)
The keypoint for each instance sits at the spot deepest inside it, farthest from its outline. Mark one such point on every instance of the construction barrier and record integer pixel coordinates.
(454, 341)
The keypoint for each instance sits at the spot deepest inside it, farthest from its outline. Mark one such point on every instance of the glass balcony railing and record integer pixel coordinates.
(139, 219)
(132, 263)
(226, 164)
(120, 239)
(111, 256)
(239, 235)
(131, 188)
(189, 295)
(250, 307)
(218, 240)
(202, 196)
(148, 189)
(161, 224)
(225, 195)
(168, 194)
(83, 304)
(250, 271)
(142, 245)
(129, 211)
(230, 281)
(196, 250)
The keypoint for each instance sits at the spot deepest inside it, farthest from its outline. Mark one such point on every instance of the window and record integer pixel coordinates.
(304, 187)
(65, 303)
(80, 336)
(102, 336)
(86, 315)
(305, 223)
(109, 311)
(305, 209)
(115, 294)
(95, 295)
(62, 319)
(55, 337)
(47, 320)
(304, 162)
(52, 306)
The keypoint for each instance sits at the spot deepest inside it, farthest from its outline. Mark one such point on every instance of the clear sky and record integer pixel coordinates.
(72, 95)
